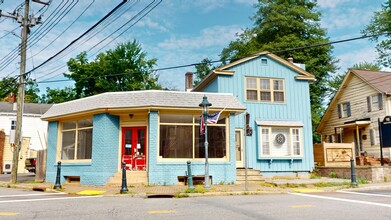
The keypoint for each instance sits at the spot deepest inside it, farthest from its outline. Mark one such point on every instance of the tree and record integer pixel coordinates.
(10, 85)
(58, 95)
(335, 81)
(202, 70)
(380, 26)
(124, 68)
(279, 27)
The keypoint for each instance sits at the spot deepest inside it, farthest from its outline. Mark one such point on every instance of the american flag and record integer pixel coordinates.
(212, 119)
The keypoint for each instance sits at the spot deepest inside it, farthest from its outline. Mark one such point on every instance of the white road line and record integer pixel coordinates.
(364, 194)
(47, 199)
(36, 194)
(342, 200)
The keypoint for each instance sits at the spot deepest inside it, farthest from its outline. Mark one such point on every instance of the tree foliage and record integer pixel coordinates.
(58, 95)
(125, 68)
(10, 85)
(280, 26)
(202, 70)
(380, 30)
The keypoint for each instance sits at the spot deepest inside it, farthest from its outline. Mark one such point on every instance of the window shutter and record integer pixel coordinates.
(380, 97)
(339, 111)
(369, 103)
(372, 136)
(348, 112)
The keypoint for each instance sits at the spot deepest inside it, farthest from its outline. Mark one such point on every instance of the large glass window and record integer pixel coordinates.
(180, 137)
(77, 140)
(265, 89)
(280, 142)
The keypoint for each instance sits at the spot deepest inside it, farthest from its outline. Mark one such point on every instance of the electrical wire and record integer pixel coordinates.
(90, 35)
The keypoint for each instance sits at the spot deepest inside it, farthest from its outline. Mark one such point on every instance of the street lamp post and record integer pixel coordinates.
(205, 107)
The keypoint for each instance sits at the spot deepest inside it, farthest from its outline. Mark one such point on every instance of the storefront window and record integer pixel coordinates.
(76, 140)
(180, 137)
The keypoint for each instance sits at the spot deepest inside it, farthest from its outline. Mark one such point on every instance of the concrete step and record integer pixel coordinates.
(242, 172)
(253, 176)
(132, 178)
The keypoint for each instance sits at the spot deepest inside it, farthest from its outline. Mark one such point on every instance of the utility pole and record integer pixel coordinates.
(26, 22)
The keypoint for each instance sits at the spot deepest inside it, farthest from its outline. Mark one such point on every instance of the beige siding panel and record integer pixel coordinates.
(356, 92)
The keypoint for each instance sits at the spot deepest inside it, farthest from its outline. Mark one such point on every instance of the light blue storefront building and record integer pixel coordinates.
(154, 132)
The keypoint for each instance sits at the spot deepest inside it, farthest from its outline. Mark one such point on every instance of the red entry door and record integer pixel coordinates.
(134, 147)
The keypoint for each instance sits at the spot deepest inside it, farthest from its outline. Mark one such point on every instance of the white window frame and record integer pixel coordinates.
(269, 142)
(270, 90)
(76, 129)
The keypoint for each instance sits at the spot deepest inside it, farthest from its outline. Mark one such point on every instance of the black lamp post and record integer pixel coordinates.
(205, 107)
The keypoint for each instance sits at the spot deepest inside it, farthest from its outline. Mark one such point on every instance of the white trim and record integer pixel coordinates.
(279, 123)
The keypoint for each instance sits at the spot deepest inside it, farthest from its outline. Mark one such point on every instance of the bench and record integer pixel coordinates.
(197, 179)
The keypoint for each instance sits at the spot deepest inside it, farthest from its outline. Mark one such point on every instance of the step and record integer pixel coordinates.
(253, 176)
(132, 178)
(241, 172)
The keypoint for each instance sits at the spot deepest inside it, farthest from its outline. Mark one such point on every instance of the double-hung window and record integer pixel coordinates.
(76, 141)
(180, 137)
(375, 102)
(265, 89)
(344, 110)
(280, 141)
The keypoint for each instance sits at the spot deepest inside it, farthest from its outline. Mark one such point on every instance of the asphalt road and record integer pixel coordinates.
(343, 205)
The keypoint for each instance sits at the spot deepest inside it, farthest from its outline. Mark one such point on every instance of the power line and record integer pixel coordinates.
(253, 55)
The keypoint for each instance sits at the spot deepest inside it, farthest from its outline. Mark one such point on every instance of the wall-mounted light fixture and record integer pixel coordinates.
(131, 116)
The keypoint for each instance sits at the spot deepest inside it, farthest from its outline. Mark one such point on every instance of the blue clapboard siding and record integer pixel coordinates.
(296, 108)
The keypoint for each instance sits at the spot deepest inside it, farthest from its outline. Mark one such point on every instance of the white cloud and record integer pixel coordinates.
(331, 3)
(212, 36)
(150, 24)
(351, 57)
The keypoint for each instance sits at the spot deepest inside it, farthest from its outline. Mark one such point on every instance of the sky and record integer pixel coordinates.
(175, 32)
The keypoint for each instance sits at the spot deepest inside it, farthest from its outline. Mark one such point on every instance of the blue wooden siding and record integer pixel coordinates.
(296, 108)
(166, 173)
(104, 162)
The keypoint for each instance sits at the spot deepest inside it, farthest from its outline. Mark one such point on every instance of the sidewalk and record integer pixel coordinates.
(267, 187)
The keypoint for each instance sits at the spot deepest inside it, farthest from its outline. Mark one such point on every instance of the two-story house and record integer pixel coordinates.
(275, 135)
(352, 115)
(33, 132)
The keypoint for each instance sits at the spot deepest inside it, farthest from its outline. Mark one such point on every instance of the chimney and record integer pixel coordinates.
(290, 59)
(188, 81)
(11, 98)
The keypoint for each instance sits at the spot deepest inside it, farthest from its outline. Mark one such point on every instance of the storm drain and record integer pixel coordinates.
(154, 196)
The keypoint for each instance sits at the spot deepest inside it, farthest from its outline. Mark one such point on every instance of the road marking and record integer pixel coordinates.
(154, 212)
(342, 200)
(364, 194)
(302, 206)
(36, 194)
(47, 199)
(8, 213)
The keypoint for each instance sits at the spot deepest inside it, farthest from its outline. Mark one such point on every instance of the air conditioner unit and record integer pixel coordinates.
(7, 167)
